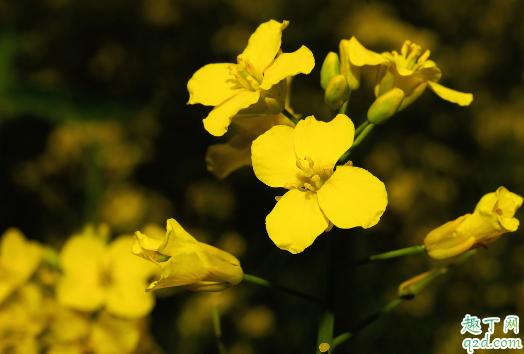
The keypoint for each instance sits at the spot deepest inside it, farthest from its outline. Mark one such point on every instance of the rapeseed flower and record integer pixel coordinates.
(303, 160)
(410, 71)
(19, 259)
(493, 216)
(96, 274)
(255, 85)
(186, 262)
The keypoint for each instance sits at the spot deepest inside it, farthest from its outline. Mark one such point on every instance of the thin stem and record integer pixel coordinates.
(387, 255)
(268, 284)
(361, 133)
(217, 330)
(344, 108)
(385, 310)
(290, 116)
(415, 288)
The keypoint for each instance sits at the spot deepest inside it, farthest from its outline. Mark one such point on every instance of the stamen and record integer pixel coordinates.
(310, 187)
(299, 164)
(329, 169)
(413, 56)
(278, 198)
(499, 211)
(310, 160)
(349, 163)
(424, 57)
(290, 185)
(253, 71)
(404, 49)
(330, 226)
(253, 82)
(318, 182)
(243, 82)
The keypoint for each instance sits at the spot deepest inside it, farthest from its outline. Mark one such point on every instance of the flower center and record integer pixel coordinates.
(315, 181)
(410, 55)
(246, 73)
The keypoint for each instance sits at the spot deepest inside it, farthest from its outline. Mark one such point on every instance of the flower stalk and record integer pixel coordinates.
(266, 283)
(388, 255)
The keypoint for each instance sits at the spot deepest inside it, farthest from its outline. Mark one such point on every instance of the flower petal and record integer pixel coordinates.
(219, 119)
(353, 197)
(182, 269)
(222, 159)
(296, 221)
(129, 300)
(359, 55)
(264, 44)
(323, 142)
(212, 84)
(460, 98)
(178, 241)
(288, 64)
(273, 157)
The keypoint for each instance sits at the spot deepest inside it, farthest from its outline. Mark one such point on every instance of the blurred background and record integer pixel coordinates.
(94, 127)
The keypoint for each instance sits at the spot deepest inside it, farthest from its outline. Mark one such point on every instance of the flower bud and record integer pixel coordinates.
(187, 262)
(385, 106)
(416, 284)
(337, 92)
(352, 72)
(492, 217)
(274, 106)
(330, 68)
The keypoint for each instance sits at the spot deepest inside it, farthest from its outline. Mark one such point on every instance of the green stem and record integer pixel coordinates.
(259, 281)
(388, 255)
(217, 330)
(344, 108)
(367, 128)
(385, 310)
(361, 127)
(290, 116)
(327, 321)
(407, 294)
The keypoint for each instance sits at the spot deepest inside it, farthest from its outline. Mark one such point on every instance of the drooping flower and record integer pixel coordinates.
(410, 71)
(255, 85)
(186, 262)
(493, 216)
(19, 259)
(96, 274)
(303, 160)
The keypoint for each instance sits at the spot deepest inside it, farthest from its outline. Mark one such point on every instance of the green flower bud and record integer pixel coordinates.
(352, 72)
(337, 92)
(385, 106)
(330, 68)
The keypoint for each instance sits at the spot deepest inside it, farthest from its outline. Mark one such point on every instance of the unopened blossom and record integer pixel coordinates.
(19, 259)
(255, 85)
(493, 216)
(303, 160)
(186, 262)
(410, 71)
(97, 274)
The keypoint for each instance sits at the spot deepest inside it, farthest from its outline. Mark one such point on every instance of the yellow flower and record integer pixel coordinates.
(96, 274)
(255, 85)
(492, 217)
(411, 71)
(303, 160)
(222, 159)
(19, 259)
(185, 261)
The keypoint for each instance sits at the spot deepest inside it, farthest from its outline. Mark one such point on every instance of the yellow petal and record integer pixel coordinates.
(82, 260)
(212, 85)
(182, 269)
(288, 64)
(323, 142)
(353, 197)
(296, 221)
(359, 55)
(178, 241)
(124, 267)
(459, 247)
(222, 159)
(264, 44)
(273, 157)
(460, 98)
(217, 122)
(110, 335)
(129, 300)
